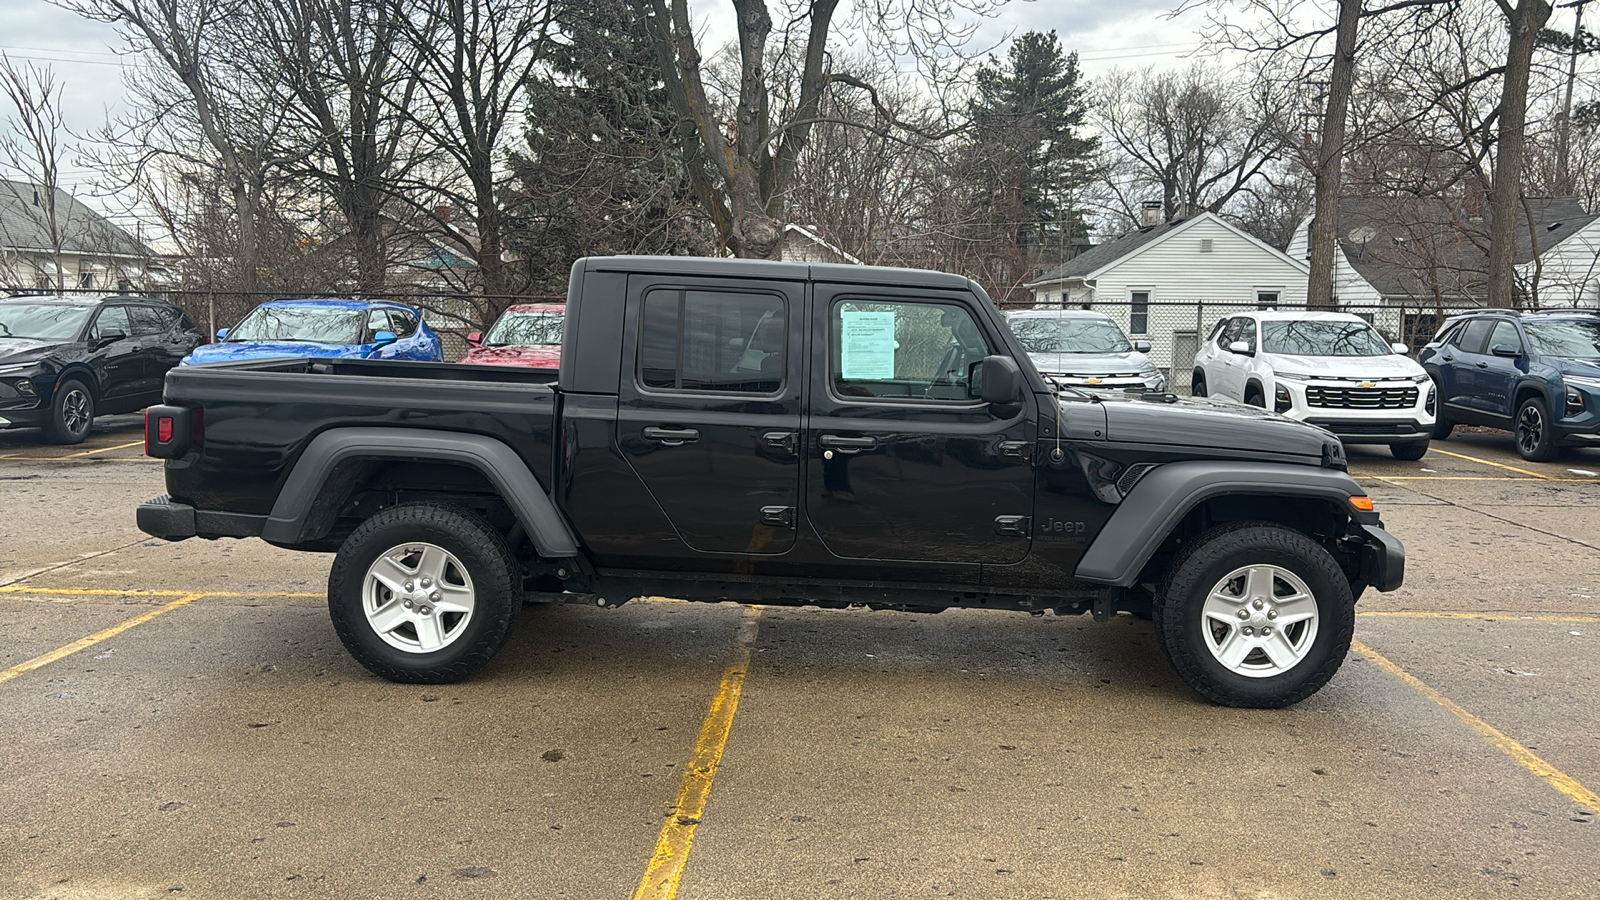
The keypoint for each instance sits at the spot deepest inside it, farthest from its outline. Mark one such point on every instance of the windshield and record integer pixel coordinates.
(41, 321)
(1571, 338)
(1322, 338)
(1040, 334)
(331, 325)
(526, 328)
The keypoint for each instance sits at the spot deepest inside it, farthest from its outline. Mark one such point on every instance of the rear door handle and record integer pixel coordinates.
(847, 444)
(671, 437)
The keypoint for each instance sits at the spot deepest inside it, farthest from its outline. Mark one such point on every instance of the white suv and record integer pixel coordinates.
(1329, 369)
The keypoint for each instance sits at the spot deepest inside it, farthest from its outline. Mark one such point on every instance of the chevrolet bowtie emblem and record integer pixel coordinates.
(1091, 381)
(1365, 384)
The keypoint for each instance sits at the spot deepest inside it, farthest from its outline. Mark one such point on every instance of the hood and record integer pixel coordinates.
(21, 350)
(231, 350)
(1088, 363)
(1584, 368)
(1365, 367)
(532, 356)
(1212, 424)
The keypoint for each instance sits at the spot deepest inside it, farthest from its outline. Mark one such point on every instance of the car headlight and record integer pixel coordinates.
(1576, 402)
(1421, 379)
(1282, 402)
(1580, 381)
(1292, 376)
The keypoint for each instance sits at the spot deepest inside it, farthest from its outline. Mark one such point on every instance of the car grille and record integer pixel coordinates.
(1326, 397)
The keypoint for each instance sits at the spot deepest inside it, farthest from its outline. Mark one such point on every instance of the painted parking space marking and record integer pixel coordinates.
(1488, 462)
(1524, 757)
(661, 876)
(1484, 617)
(84, 643)
(138, 443)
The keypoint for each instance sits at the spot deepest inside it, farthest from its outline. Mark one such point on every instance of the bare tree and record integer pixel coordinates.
(32, 147)
(1524, 20)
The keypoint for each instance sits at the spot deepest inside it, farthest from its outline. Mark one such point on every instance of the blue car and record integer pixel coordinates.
(1536, 375)
(348, 329)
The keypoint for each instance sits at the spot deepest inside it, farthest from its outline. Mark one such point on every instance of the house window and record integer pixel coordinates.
(86, 280)
(1138, 312)
(42, 282)
(1267, 298)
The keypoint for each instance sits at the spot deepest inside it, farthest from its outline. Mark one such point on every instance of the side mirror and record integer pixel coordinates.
(107, 338)
(222, 333)
(475, 338)
(1239, 347)
(1141, 346)
(384, 339)
(1508, 351)
(1001, 379)
(1399, 348)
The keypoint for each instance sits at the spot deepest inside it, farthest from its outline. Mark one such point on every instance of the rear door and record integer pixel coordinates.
(158, 351)
(1468, 366)
(904, 462)
(709, 411)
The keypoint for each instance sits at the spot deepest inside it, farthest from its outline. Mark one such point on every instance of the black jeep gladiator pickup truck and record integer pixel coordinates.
(781, 434)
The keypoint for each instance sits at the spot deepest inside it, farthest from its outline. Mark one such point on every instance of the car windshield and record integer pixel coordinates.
(526, 328)
(328, 325)
(41, 321)
(1042, 334)
(1571, 338)
(1323, 338)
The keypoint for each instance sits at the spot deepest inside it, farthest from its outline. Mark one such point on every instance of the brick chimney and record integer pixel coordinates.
(443, 213)
(1149, 213)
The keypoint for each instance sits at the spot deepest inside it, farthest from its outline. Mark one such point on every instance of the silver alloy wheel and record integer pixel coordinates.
(75, 411)
(1259, 621)
(1530, 428)
(418, 597)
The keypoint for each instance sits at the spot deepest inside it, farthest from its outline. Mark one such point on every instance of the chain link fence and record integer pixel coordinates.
(1176, 328)
(451, 316)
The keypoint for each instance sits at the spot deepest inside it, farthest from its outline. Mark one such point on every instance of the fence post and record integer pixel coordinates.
(211, 316)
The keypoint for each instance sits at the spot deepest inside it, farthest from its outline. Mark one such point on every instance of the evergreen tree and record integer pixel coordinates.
(1026, 158)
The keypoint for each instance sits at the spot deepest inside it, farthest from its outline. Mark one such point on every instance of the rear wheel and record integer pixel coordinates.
(1197, 386)
(71, 413)
(423, 593)
(1255, 615)
(1535, 439)
(1411, 451)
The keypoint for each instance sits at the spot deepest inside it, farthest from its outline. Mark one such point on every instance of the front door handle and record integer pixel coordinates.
(847, 444)
(1483, 365)
(671, 437)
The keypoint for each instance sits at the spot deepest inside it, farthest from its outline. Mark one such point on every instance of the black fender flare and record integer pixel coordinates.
(1169, 492)
(493, 458)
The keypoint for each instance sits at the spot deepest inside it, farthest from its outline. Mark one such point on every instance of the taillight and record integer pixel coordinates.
(169, 431)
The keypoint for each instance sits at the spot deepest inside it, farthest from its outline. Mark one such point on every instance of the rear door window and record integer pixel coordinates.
(147, 320)
(1475, 336)
(717, 341)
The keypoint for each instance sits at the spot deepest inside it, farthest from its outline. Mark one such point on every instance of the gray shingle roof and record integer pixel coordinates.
(1427, 247)
(1111, 250)
(24, 226)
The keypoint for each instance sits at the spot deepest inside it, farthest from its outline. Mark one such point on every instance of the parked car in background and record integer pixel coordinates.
(1084, 349)
(347, 329)
(1330, 369)
(1534, 374)
(528, 335)
(65, 361)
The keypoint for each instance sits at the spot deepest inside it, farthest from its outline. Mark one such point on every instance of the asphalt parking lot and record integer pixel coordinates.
(179, 720)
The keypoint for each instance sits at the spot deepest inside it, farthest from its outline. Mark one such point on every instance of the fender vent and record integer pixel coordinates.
(1131, 476)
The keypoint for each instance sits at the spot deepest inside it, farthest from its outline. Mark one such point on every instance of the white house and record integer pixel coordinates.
(91, 254)
(1170, 283)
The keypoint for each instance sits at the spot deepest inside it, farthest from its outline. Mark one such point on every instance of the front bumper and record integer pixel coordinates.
(1383, 559)
(1370, 412)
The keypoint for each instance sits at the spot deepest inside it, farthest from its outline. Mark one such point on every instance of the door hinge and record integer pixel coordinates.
(779, 440)
(778, 516)
(1015, 526)
(1016, 449)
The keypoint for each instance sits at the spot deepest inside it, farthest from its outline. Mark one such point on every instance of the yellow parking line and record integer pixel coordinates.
(138, 443)
(660, 881)
(91, 640)
(1524, 757)
(131, 592)
(1491, 617)
(1488, 463)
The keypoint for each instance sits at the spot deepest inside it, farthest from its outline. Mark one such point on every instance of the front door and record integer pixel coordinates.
(709, 416)
(119, 363)
(1497, 375)
(903, 462)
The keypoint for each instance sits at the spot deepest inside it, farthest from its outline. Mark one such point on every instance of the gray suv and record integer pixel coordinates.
(1086, 350)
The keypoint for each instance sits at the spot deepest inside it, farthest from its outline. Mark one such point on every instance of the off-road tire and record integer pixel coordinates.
(483, 556)
(1179, 613)
(1532, 428)
(71, 413)
(1410, 451)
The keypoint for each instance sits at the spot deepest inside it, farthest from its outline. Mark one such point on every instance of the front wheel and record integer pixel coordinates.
(423, 593)
(71, 413)
(1535, 439)
(1410, 451)
(1255, 615)
(1197, 386)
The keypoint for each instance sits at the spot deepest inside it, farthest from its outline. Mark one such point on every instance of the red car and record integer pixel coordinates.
(527, 335)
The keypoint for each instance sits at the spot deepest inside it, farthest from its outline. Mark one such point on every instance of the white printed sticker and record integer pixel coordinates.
(866, 351)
